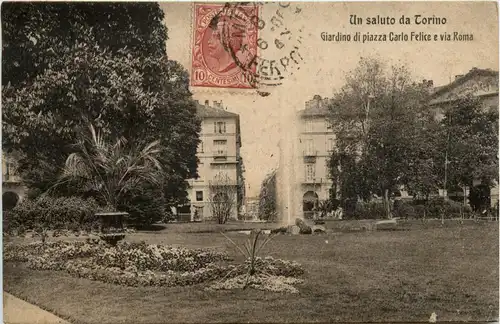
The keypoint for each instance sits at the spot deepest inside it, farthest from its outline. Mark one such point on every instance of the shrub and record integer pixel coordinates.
(369, 210)
(145, 205)
(53, 212)
(438, 207)
(403, 209)
(420, 211)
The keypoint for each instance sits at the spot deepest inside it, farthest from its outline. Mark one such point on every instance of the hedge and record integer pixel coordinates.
(52, 213)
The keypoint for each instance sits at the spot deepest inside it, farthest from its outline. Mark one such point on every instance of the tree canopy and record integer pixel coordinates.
(377, 117)
(388, 136)
(67, 64)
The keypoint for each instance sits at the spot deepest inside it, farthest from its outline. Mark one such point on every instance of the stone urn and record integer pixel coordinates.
(112, 226)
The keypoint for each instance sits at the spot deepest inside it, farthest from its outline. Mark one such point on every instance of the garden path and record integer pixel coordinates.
(17, 311)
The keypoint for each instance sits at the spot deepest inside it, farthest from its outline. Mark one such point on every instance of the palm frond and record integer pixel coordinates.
(112, 169)
(236, 245)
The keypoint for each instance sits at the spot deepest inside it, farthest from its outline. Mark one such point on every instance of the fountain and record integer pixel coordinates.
(288, 183)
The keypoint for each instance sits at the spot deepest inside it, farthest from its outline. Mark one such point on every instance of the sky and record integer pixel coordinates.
(324, 64)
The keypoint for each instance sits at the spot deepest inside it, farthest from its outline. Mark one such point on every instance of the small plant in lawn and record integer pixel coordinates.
(260, 273)
(250, 251)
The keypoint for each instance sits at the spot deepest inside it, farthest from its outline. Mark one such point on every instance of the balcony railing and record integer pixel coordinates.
(11, 178)
(310, 153)
(223, 182)
(220, 153)
(317, 181)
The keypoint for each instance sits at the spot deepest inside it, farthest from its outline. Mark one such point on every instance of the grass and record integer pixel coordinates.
(366, 276)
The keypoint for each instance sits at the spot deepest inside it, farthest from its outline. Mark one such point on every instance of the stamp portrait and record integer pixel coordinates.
(225, 41)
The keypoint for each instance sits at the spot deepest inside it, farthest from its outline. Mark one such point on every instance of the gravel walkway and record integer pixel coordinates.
(17, 311)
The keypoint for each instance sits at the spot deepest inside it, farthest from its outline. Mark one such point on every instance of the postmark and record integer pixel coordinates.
(278, 45)
(234, 47)
(223, 42)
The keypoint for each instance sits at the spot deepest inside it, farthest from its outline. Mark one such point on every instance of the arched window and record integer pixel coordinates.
(9, 200)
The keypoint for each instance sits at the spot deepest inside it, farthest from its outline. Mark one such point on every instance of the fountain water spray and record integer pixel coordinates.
(288, 182)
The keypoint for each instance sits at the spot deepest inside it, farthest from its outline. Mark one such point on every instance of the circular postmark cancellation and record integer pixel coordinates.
(229, 53)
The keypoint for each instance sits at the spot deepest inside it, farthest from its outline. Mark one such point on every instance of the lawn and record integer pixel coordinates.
(365, 276)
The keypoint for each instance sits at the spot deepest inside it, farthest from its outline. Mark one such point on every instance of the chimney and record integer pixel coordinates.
(207, 103)
(317, 100)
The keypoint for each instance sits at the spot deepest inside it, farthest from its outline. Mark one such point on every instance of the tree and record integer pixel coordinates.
(469, 144)
(241, 183)
(267, 198)
(99, 62)
(377, 118)
(222, 197)
(32, 33)
(111, 169)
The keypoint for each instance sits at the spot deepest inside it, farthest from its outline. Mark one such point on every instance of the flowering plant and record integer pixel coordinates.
(139, 264)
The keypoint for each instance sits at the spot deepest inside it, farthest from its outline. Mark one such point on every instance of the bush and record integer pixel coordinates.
(403, 209)
(420, 211)
(437, 208)
(145, 205)
(52, 213)
(368, 210)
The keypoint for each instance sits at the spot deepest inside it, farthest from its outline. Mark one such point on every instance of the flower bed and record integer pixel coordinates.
(139, 264)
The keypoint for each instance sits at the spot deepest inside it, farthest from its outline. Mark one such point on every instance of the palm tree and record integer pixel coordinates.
(111, 169)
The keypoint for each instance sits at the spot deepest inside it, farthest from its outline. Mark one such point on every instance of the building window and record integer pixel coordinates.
(199, 196)
(221, 172)
(330, 145)
(310, 171)
(200, 147)
(309, 146)
(9, 170)
(220, 146)
(309, 125)
(329, 125)
(220, 127)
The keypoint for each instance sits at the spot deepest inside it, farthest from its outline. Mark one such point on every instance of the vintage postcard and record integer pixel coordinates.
(267, 162)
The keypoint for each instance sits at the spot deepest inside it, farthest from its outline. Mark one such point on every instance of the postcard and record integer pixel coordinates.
(188, 162)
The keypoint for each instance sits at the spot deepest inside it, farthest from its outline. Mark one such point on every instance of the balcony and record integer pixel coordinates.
(224, 182)
(310, 153)
(316, 181)
(11, 178)
(220, 154)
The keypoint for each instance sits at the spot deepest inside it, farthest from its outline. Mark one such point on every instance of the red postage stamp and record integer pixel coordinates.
(225, 45)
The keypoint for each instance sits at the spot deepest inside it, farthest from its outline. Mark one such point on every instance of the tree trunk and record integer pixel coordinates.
(387, 204)
(464, 188)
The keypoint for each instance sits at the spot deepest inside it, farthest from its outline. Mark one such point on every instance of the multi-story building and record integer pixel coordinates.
(317, 138)
(219, 160)
(316, 142)
(13, 189)
(479, 83)
(218, 154)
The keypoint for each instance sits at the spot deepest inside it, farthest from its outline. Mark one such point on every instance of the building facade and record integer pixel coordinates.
(317, 138)
(316, 142)
(218, 154)
(220, 163)
(13, 190)
(479, 83)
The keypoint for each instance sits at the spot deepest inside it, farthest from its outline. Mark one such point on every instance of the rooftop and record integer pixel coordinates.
(217, 110)
(316, 107)
(460, 79)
